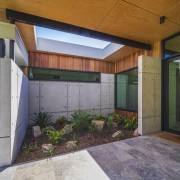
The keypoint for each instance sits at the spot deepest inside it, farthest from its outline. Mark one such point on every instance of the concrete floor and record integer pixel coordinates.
(146, 157)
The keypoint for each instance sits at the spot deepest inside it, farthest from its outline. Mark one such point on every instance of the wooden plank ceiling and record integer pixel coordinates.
(133, 19)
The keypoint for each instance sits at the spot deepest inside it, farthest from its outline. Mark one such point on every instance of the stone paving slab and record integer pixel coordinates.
(145, 157)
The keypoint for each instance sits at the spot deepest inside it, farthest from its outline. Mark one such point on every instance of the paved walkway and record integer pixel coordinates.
(146, 157)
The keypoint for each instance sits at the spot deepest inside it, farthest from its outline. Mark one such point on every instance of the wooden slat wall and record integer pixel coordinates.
(130, 61)
(127, 114)
(47, 60)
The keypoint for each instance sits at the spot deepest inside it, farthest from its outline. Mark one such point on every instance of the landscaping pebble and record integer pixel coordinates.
(71, 144)
(67, 129)
(46, 147)
(36, 131)
(136, 133)
(118, 134)
(99, 124)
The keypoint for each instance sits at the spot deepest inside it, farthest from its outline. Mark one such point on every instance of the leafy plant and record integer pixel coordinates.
(131, 124)
(119, 119)
(81, 120)
(51, 151)
(109, 122)
(92, 128)
(42, 119)
(47, 129)
(55, 135)
(29, 148)
(61, 121)
(99, 117)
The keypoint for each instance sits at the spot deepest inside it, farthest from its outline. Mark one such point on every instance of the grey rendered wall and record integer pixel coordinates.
(149, 95)
(13, 110)
(63, 98)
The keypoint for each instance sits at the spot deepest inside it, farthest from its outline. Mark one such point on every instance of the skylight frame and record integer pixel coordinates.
(51, 34)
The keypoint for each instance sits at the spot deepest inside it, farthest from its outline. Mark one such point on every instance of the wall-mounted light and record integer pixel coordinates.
(162, 19)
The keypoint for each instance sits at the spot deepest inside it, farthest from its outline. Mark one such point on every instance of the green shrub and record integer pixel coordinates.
(92, 128)
(42, 119)
(99, 117)
(109, 122)
(47, 129)
(51, 151)
(131, 124)
(30, 148)
(55, 135)
(81, 120)
(61, 121)
(119, 119)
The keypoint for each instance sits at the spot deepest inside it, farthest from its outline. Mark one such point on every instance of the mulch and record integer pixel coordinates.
(84, 140)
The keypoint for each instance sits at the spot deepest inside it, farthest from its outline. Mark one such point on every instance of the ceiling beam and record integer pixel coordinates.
(56, 25)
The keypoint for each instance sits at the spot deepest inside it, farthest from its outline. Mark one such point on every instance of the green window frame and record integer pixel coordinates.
(126, 90)
(46, 74)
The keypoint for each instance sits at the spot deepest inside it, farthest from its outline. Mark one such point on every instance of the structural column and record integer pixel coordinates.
(149, 95)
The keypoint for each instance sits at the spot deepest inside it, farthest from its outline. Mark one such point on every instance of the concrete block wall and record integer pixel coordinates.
(149, 95)
(13, 110)
(63, 98)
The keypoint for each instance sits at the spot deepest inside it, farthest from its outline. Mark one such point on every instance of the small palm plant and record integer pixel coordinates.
(42, 119)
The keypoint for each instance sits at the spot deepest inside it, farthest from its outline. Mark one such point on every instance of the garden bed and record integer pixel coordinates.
(88, 137)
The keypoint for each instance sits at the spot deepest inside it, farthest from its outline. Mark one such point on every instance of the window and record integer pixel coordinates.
(171, 46)
(63, 75)
(127, 90)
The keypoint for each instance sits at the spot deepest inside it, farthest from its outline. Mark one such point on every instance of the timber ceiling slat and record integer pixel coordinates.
(133, 19)
(129, 21)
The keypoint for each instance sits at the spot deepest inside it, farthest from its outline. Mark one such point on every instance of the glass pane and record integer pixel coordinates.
(51, 74)
(174, 95)
(172, 46)
(127, 90)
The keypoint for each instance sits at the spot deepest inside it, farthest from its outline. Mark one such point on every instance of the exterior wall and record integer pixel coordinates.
(13, 110)
(63, 98)
(48, 60)
(149, 95)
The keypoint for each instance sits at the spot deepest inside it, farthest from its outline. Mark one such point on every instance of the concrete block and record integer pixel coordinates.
(145, 96)
(69, 115)
(157, 65)
(5, 97)
(56, 115)
(89, 96)
(145, 125)
(105, 78)
(157, 95)
(5, 155)
(105, 102)
(105, 112)
(33, 97)
(111, 102)
(53, 96)
(14, 96)
(145, 64)
(111, 111)
(111, 89)
(111, 78)
(73, 96)
(94, 111)
(105, 89)
(157, 124)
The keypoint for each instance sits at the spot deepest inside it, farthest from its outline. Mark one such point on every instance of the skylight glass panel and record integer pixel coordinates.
(70, 38)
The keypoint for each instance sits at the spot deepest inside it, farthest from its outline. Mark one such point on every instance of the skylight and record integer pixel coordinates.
(70, 38)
